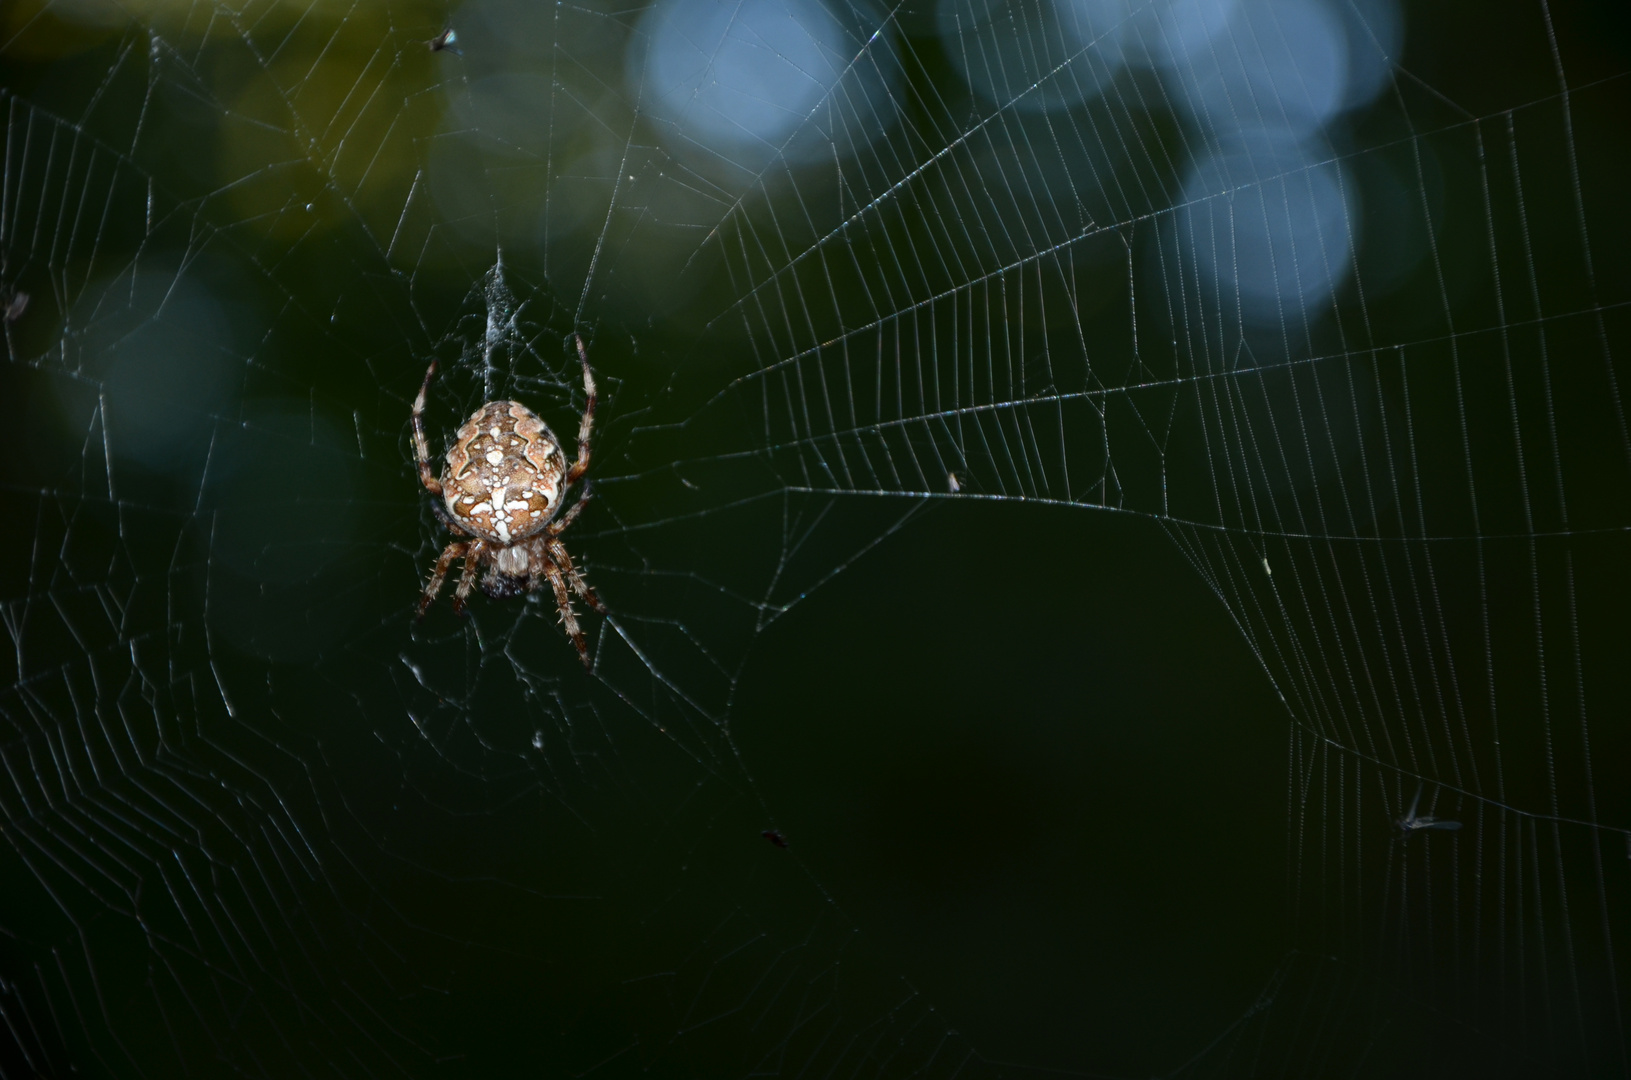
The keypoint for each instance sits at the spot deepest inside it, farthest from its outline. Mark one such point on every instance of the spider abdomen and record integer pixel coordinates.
(505, 473)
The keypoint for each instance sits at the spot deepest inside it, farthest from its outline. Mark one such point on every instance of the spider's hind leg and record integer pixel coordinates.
(586, 425)
(558, 526)
(421, 450)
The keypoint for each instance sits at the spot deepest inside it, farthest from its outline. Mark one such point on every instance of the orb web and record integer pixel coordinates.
(1334, 328)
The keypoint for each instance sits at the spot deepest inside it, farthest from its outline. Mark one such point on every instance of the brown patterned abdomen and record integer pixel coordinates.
(504, 473)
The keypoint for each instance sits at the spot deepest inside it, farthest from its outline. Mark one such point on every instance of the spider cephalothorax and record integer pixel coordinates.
(505, 483)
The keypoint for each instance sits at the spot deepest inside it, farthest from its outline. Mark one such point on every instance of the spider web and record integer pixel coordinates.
(1113, 516)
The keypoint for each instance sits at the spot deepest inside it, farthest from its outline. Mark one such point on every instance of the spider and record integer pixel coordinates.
(505, 483)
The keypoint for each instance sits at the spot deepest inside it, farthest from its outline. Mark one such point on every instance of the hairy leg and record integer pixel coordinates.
(563, 600)
(421, 449)
(472, 560)
(455, 550)
(581, 466)
(558, 555)
(439, 508)
(558, 526)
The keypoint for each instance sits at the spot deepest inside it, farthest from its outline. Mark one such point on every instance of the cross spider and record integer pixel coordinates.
(503, 488)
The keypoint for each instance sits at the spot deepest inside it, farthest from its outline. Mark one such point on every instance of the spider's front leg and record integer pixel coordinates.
(558, 556)
(474, 555)
(455, 550)
(563, 600)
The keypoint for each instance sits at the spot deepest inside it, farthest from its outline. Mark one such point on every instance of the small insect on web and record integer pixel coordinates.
(503, 488)
(1410, 823)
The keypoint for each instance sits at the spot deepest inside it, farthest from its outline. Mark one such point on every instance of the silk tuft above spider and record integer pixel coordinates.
(504, 486)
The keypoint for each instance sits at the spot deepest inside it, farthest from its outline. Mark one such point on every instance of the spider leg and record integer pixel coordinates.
(581, 466)
(558, 526)
(475, 549)
(558, 555)
(452, 551)
(421, 450)
(563, 600)
(439, 508)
